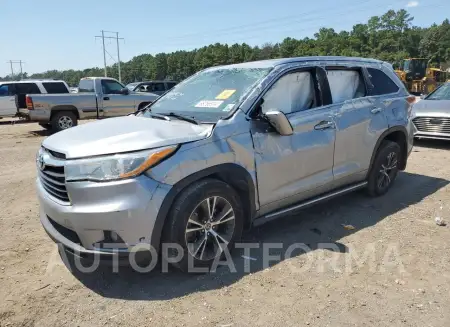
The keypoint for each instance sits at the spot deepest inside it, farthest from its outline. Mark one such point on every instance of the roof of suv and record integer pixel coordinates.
(275, 62)
(33, 81)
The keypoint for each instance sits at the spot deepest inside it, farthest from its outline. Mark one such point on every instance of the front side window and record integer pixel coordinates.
(291, 93)
(111, 87)
(6, 90)
(441, 93)
(382, 84)
(210, 94)
(345, 85)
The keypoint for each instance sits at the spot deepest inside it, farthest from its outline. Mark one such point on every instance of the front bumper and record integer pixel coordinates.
(128, 208)
(434, 132)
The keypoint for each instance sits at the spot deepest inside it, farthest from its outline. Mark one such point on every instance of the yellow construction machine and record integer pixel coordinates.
(418, 77)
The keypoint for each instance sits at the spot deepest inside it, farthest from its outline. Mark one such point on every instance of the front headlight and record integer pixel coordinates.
(116, 166)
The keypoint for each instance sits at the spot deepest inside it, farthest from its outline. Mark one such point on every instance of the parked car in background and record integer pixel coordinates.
(15, 91)
(97, 97)
(237, 146)
(74, 90)
(157, 87)
(431, 115)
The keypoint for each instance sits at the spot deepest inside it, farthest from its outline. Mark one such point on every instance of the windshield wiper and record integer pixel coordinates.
(181, 117)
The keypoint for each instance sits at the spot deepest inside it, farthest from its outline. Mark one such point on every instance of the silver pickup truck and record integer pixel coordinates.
(98, 97)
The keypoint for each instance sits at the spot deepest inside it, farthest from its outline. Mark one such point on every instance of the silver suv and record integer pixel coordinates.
(228, 148)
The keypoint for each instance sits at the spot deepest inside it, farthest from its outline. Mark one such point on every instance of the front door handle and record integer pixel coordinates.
(324, 125)
(376, 110)
(106, 98)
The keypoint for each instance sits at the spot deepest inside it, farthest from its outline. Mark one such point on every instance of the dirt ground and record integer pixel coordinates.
(403, 280)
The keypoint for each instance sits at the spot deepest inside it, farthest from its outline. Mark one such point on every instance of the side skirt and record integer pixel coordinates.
(280, 213)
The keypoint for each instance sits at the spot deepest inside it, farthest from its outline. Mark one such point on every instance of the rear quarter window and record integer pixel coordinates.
(55, 87)
(382, 84)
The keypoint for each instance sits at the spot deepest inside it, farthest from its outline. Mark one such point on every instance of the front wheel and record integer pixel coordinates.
(205, 220)
(63, 120)
(384, 169)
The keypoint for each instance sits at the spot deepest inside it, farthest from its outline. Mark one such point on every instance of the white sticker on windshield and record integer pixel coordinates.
(228, 107)
(208, 104)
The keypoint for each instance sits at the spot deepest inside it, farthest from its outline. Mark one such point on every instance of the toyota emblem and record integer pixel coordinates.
(40, 162)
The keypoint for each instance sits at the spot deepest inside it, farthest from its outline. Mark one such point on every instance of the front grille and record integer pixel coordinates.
(432, 124)
(54, 182)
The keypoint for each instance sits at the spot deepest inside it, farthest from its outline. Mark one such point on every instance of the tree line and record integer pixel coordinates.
(391, 37)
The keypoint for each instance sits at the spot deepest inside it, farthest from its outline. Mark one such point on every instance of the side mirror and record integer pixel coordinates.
(124, 91)
(279, 121)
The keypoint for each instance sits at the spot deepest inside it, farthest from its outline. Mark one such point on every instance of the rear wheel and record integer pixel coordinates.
(206, 219)
(63, 120)
(384, 169)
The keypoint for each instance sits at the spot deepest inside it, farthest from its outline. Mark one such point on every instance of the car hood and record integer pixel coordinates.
(432, 108)
(123, 134)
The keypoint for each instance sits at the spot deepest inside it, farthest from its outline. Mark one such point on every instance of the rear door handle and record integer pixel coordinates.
(324, 125)
(106, 98)
(376, 110)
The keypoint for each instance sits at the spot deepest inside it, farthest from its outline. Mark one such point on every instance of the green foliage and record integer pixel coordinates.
(390, 37)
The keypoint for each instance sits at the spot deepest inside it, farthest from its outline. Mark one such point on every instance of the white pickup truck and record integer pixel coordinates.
(97, 97)
(15, 91)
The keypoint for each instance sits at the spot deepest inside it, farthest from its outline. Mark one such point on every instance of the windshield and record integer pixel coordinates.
(209, 95)
(441, 93)
(131, 86)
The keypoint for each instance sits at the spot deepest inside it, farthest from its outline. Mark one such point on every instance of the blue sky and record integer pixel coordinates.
(59, 34)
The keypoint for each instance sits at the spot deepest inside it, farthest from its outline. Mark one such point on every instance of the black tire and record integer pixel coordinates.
(46, 125)
(63, 120)
(185, 206)
(384, 169)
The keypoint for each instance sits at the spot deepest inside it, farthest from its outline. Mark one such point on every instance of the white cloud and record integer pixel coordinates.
(412, 4)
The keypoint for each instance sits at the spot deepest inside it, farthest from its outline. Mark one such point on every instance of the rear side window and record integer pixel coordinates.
(382, 84)
(158, 87)
(6, 90)
(170, 85)
(345, 84)
(56, 87)
(86, 85)
(27, 88)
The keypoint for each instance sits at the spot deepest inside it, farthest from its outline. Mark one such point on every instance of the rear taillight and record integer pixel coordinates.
(29, 103)
(411, 99)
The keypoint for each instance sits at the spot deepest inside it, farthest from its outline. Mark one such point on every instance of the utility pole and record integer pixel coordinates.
(117, 38)
(20, 62)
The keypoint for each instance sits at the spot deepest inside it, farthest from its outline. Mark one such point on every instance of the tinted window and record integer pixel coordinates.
(111, 87)
(27, 88)
(170, 85)
(381, 82)
(6, 90)
(57, 87)
(292, 92)
(345, 84)
(86, 85)
(158, 87)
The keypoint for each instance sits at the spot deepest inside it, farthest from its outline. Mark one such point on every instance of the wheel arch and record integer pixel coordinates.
(396, 134)
(70, 108)
(233, 174)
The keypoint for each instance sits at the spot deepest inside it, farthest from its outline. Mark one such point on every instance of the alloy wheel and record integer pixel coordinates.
(210, 228)
(65, 122)
(387, 171)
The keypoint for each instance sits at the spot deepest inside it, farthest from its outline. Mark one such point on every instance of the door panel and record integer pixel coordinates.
(117, 105)
(8, 105)
(359, 124)
(292, 168)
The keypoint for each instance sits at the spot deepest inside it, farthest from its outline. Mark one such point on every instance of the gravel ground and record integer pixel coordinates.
(392, 269)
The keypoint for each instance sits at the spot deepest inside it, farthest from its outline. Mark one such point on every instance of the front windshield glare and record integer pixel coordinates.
(210, 94)
(442, 93)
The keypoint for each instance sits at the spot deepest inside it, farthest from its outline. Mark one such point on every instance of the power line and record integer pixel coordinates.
(20, 62)
(117, 38)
